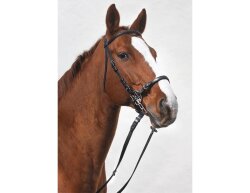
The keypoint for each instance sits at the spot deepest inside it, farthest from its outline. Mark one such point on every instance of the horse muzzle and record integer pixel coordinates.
(166, 116)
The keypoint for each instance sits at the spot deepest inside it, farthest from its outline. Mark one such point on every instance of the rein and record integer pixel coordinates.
(136, 97)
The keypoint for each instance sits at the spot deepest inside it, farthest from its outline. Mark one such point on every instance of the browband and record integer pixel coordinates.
(131, 32)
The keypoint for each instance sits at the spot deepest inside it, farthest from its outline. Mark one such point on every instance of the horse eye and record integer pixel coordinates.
(123, 55)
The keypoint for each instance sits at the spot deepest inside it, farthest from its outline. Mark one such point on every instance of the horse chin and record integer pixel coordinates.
(160, 123)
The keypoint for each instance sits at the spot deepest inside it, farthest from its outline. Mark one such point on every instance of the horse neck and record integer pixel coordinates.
(87, 117)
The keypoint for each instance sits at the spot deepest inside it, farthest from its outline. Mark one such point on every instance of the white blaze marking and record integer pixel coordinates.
(142, 47)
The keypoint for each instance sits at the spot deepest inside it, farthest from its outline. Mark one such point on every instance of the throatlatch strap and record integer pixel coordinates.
(125, 145)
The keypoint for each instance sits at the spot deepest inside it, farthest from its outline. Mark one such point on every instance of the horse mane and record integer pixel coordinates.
(66, 80)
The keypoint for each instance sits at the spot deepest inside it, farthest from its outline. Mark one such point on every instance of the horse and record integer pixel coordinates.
(90, 96)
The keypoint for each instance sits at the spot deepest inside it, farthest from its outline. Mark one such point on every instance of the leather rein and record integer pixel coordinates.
(136, 98)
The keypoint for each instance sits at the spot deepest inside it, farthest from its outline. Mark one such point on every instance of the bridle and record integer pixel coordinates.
(136, 98)
(135, 95)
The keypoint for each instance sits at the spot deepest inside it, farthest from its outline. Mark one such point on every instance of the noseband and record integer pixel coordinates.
(136, 98)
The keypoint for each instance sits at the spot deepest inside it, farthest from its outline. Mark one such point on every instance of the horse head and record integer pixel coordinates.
(137, 64)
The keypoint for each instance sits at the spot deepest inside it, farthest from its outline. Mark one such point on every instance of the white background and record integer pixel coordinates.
(167, 163)
(28, 80)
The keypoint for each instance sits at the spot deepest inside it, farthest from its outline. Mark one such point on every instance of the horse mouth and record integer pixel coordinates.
(165, 121)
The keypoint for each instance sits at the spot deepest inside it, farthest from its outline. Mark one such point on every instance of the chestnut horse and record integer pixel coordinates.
(88, 112)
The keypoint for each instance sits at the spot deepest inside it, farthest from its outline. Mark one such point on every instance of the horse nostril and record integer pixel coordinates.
(163, 104)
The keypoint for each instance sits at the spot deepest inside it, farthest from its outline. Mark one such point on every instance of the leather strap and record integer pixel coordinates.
(130, 32)
(134, 95)
(125, 145)
(143, 151)
(150, 84)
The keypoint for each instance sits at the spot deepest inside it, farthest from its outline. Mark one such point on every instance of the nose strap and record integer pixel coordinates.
(150, 84)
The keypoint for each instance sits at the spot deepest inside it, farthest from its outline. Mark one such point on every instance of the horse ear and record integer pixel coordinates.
(140, 22)
(112, 19)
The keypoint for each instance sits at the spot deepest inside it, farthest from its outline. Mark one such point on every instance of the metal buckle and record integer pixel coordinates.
(137, 99)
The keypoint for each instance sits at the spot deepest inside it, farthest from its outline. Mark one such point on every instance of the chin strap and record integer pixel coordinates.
(125, 145)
